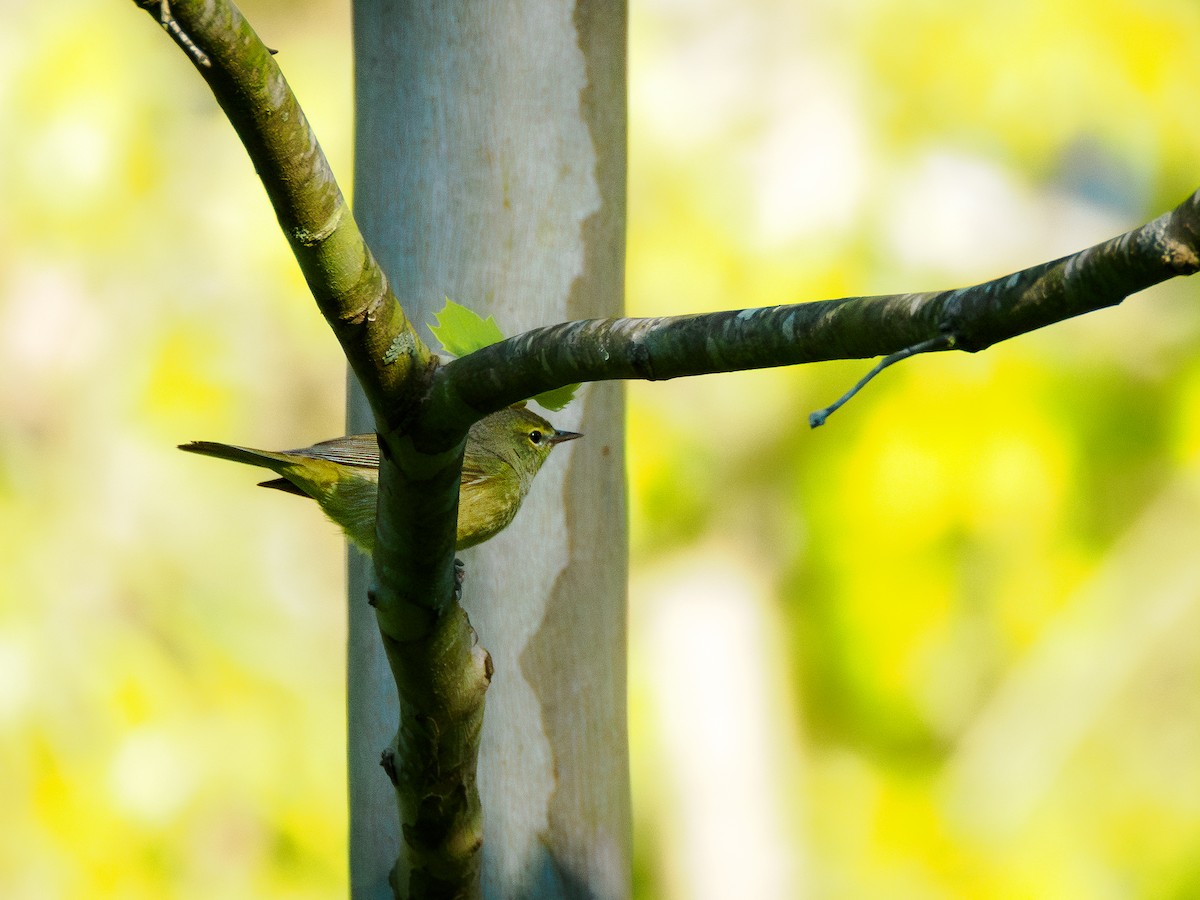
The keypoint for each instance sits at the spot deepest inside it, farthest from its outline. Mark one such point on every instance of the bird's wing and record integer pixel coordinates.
(472, 474)
(352, 450)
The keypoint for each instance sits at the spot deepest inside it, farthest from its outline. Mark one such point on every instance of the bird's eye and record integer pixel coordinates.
(535, 436)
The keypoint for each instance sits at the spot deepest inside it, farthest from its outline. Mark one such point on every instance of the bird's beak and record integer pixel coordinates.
(559, 436)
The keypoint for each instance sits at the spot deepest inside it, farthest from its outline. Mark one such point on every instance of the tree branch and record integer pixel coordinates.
(391, 362)
(972, 318)
(350, 288)
(440, 674)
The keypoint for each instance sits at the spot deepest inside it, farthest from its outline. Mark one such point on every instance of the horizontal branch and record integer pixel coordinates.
(970, 318)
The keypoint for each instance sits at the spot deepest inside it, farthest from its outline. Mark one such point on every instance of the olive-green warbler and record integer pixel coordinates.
(504, 451)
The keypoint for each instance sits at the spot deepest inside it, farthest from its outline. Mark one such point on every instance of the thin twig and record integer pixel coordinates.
(941, 342)
(181, 37)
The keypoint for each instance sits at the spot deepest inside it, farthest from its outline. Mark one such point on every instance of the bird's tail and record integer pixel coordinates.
(247, 455)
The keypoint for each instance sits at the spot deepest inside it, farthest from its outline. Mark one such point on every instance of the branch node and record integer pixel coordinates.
(639, 359)
(941, 342)
(313, 237)
(387, 759)
(1182, 258)
(368, 311)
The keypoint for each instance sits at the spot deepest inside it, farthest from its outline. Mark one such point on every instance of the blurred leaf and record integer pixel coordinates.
(558, 398)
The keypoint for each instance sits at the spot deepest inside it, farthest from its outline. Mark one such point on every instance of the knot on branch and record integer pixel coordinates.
(311, 237)
(1181, 258)
(639, 360)
(953, 326)
(368, 311)
(387, 759)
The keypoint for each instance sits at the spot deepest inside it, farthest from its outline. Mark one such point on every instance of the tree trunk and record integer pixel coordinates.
(490, 167)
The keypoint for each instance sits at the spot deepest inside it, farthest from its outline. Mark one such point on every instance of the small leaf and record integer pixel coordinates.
(461, 331)
(558, 398)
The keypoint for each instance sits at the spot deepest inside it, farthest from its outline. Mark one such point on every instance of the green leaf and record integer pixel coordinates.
(558, 398)
(461, 331)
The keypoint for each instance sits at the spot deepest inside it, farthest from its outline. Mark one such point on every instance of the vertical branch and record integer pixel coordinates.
(437, 671)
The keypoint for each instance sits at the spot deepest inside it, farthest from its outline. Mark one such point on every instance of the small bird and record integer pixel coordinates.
(504, 451)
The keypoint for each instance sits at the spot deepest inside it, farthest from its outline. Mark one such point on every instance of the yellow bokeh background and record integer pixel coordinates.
(941, 647)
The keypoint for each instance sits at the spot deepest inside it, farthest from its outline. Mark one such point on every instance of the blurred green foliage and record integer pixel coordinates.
(941, 647)
(973, 588)
(156, 737)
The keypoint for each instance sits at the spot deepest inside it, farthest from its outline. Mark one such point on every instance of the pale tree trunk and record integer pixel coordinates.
(490, 168)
